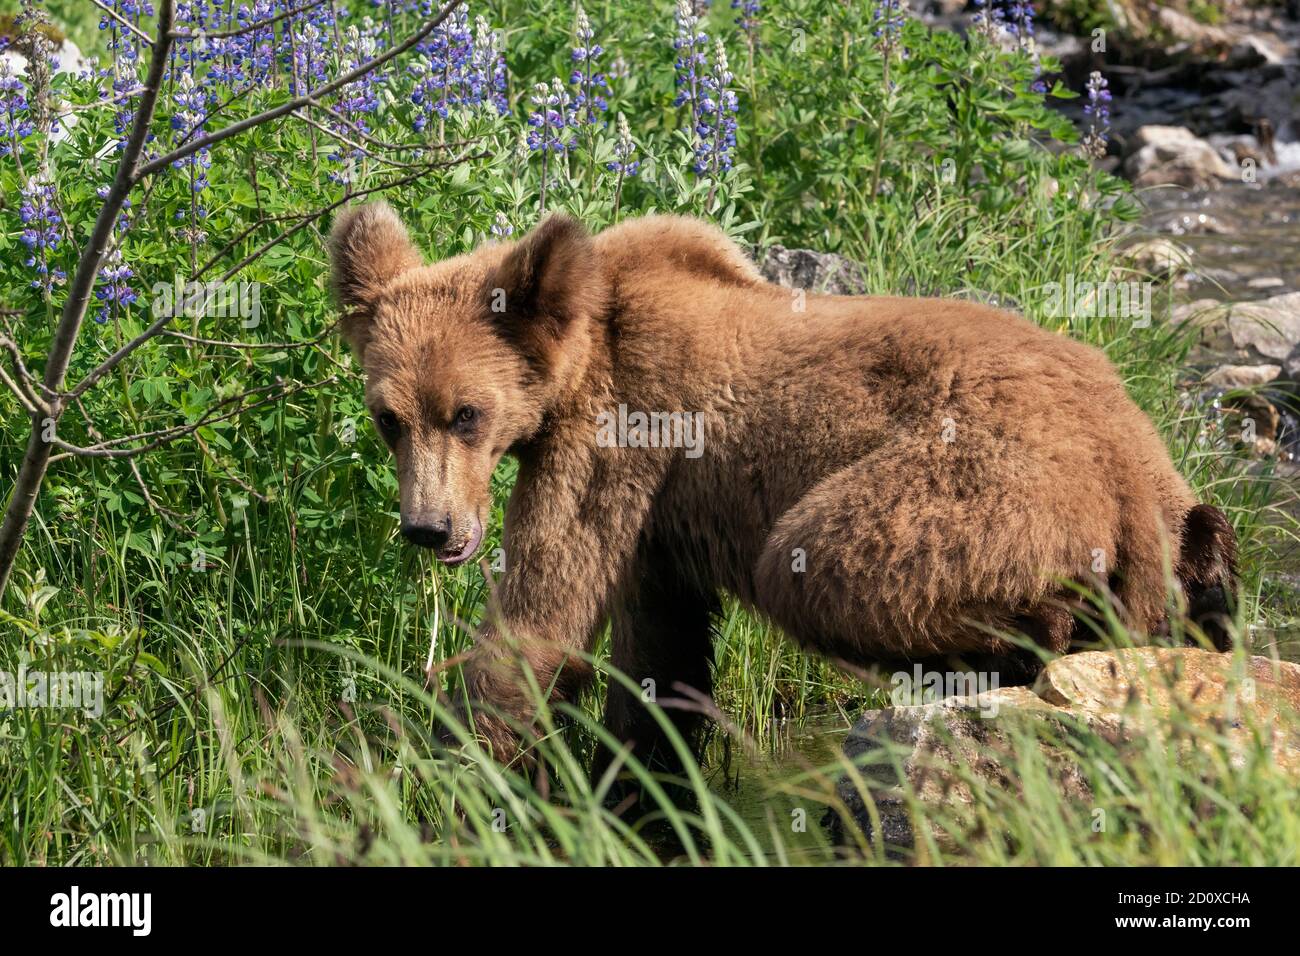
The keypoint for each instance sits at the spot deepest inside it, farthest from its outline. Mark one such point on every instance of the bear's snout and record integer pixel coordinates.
(427, 531)
(449, 544)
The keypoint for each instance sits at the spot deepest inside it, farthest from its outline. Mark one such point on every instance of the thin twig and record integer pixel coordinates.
(162, 436)
(124, 21)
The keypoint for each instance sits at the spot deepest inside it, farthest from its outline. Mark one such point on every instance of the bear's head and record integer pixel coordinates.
(464, 359)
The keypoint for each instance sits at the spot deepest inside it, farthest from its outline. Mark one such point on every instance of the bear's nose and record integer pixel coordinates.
(427, 532)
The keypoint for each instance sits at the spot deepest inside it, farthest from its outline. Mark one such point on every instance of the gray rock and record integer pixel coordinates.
(1270, 328)
(1256, 49)
(1265, 282)
(1243, 376)
(941, 754)
(1201, 37)
(821, 272)
(1200, 311)
(1174, 155)
(1159, 256)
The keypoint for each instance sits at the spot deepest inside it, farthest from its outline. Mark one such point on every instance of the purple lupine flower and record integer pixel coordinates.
(15, 123)
(707, 89)
(192, 102)
(988, 19)
(1019, 18)
(117, 290)
(551, 122)
(124, 48)
(715, 128)
(309, 58)
(624, 149)
(501, 227)
(591, 85)
(889, 17)
(445, 72)
(41, 221)
(125, 219)
(1020, 22)
(1097, 109)
(690, 44)
(490, 64)
(355, 102)
(747, 18)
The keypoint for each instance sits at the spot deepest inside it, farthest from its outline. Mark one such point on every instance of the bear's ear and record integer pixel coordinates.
(369, 247)
(547, 283)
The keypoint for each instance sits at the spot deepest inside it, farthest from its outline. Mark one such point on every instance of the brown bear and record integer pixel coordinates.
(883, 478)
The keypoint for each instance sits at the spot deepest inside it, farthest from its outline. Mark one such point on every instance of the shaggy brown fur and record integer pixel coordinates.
(883, 478)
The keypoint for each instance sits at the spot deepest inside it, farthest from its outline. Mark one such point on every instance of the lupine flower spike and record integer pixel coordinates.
(1097, 109)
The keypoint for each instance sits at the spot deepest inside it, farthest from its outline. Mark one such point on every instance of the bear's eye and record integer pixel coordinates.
(389, 426)
(466, 417)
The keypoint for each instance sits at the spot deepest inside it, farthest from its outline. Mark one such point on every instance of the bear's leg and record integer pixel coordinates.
(1050, 629)
(662, 641)
(920, 550)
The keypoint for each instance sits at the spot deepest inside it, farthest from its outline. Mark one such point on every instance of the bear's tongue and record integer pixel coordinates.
(464, 554)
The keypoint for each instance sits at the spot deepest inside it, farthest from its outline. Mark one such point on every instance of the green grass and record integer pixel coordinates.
(270, 708)
(227, 690)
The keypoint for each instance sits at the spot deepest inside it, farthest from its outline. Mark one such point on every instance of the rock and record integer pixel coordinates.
(1243, 376)
(1273, 100)
(943, 753)
(1255, 424)
(1201, 311)
(1173, 155)
(1270, 328)
(1159, 256)
(1202, 37)
(1254, 50)
(1265, 282)
(822, 272)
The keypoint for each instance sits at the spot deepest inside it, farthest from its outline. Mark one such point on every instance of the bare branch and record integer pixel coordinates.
(326, 210)
(124, 21)
(169, 516)
(162, 436)
(29, 382)
(156, 328)
(395, 163)
(26, 399)
(36, 457)
(220, 343)
(382, 144)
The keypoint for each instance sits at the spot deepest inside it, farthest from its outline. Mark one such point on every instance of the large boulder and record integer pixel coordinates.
(940, 754)
(1270, 328)
(1174, 155)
